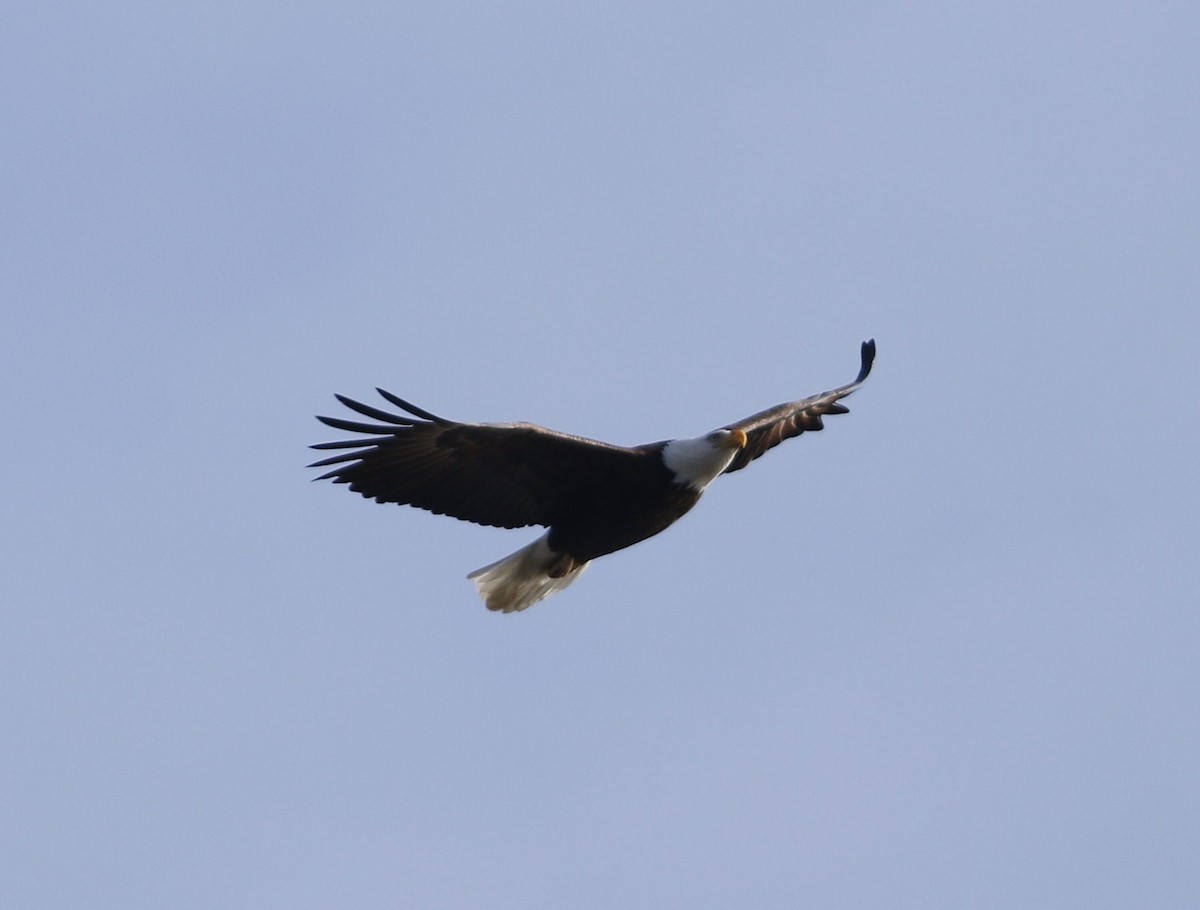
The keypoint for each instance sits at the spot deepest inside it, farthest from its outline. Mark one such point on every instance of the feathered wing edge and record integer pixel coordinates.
(374, 434)
(506, 475)
(769, 428)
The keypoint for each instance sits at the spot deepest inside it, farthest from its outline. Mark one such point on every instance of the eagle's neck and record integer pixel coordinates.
(696, 462)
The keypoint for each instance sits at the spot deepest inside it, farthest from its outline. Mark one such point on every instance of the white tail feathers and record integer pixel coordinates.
(521, 579)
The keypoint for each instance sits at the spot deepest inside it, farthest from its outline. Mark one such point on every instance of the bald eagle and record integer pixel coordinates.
(594, 497)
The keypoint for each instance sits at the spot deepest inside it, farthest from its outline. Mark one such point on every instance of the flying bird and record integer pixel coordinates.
(593, 497)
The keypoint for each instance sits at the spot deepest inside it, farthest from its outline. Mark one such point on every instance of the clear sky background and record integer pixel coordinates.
(942, 655)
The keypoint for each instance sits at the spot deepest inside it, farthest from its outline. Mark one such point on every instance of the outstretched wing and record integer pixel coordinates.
(769, 428)
(504, 475)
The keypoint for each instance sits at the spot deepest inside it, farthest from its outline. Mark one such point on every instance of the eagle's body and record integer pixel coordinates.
(595, 498)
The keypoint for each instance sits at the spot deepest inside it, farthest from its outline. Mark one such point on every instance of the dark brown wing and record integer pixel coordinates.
(769, 428)
(505, 475)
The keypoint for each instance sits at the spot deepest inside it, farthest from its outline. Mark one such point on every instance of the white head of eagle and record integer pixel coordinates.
(698, 462)
(593, 497)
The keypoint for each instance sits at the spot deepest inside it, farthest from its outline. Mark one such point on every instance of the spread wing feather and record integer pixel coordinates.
(504, 475)
(769, 428)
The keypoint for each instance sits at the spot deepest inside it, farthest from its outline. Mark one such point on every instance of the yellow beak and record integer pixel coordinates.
(736, 440)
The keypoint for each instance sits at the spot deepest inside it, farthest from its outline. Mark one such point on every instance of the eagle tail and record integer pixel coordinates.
(521, 579)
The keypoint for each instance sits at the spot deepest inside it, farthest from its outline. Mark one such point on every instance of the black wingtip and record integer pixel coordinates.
(868, 358)
(410, 407)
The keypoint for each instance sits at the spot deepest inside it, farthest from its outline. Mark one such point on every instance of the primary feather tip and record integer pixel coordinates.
(868, 358)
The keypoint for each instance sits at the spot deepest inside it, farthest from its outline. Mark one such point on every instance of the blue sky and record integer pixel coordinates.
(942, 654)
